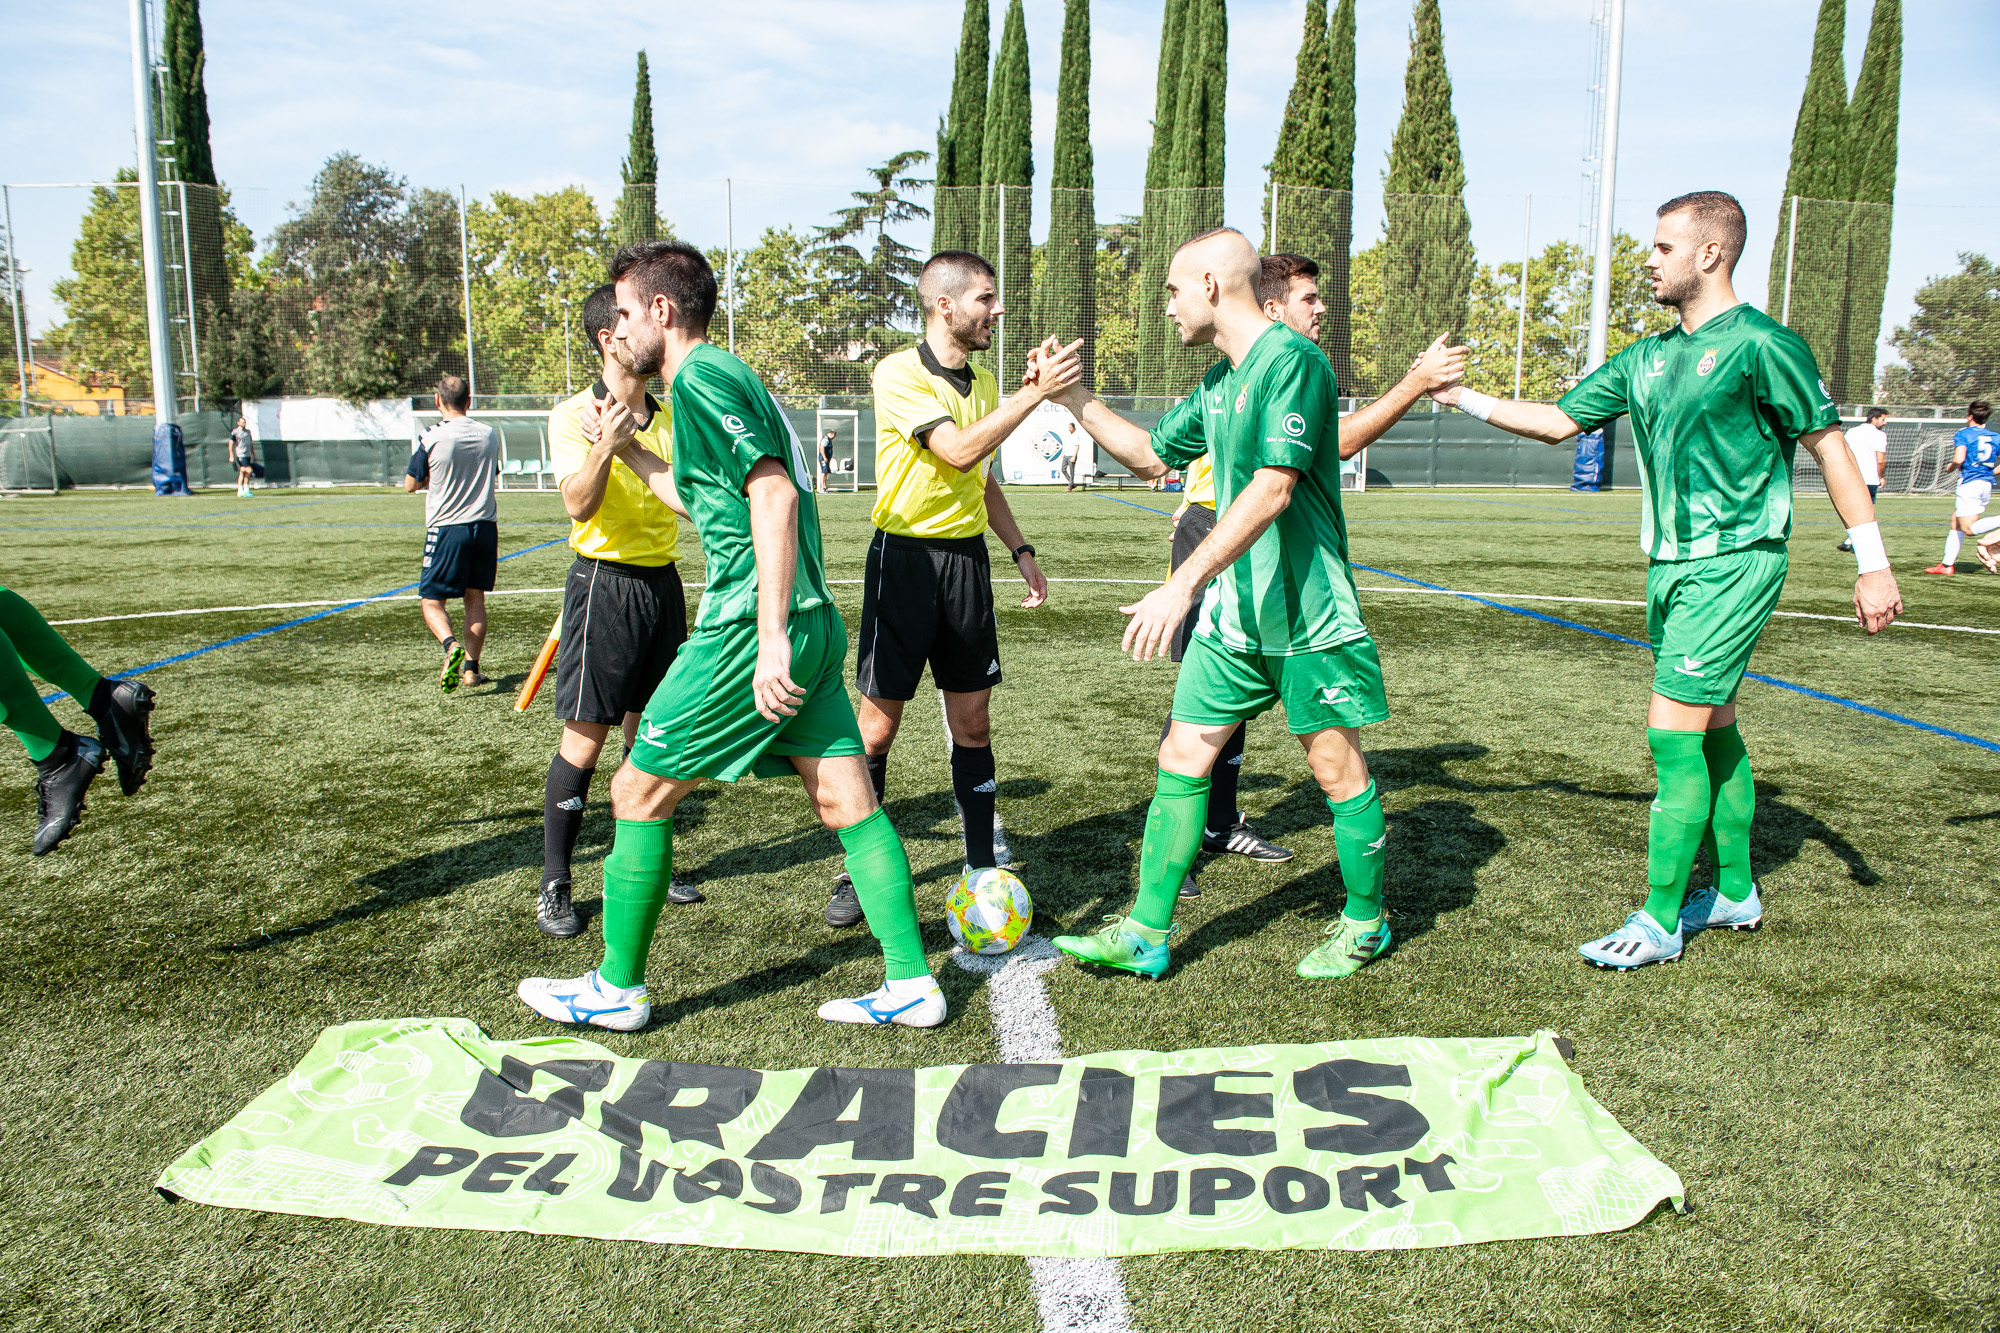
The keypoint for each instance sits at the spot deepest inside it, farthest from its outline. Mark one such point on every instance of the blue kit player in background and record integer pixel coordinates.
(1974, 451)
(457, 466)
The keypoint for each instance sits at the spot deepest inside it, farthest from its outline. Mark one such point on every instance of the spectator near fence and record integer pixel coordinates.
(825, 461)
(457, 466)
(1869, 444)
(243, 457)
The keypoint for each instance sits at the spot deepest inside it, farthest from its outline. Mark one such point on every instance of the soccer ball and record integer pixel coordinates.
(988, 910)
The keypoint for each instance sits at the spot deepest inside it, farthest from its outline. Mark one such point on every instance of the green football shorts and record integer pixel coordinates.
(1340, 687)
(702, 722)
(1704, 616)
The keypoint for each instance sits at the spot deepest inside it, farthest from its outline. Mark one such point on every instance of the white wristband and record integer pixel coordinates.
(1476, 404)
(1867, 543)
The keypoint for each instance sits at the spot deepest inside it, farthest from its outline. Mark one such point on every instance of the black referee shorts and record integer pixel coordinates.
(621, 626)
(927, 600)
(1192, 530)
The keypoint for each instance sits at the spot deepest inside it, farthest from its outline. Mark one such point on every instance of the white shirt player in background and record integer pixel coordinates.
(1975, 454)
(1870, 446)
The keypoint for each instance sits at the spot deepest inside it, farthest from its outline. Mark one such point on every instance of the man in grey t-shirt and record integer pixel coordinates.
(456, 464)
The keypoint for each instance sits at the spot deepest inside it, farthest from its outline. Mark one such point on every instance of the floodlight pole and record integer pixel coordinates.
(1607, 179)
(569, 384)
(14, 290)
(465, 277)
(1791, 252)
(729, 252)
(162, 352)
(1000, 345)
(1521, 331)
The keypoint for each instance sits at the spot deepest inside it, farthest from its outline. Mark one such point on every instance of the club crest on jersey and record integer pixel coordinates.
(1707, 364)
(1243, 398)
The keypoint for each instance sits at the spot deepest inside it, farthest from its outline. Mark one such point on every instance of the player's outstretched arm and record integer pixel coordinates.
(1536, 421)
(1000, 516)
(656, 472)
(1877, 600)
(1156, 615)
(774, 538)
(964, 446)
(603, 428)
(1439, 368)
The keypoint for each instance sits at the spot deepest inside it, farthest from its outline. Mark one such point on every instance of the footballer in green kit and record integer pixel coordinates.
(757, 688)
(1718, 405)
(1280, 622)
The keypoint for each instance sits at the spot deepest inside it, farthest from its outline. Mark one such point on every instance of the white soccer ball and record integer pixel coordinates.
(988, 910)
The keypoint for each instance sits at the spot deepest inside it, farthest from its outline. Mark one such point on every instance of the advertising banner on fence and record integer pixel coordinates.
(1342, 1145)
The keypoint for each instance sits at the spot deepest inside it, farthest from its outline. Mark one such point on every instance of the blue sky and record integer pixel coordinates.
(792, 98)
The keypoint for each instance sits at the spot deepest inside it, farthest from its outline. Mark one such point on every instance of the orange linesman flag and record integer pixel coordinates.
(543, 661)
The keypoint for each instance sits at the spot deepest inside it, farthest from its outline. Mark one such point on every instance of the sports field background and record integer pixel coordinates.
(328, 838)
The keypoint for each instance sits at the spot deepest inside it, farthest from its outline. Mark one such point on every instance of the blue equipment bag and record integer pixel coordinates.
(169, 460)
(1589, 472)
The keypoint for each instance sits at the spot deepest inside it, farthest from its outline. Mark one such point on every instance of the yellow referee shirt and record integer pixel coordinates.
(1197, 485)
(917, 494)
(633, 526)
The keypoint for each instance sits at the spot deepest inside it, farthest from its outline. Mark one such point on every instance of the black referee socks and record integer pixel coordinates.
(878, 774)
(562, 815)
(1222, 784)
(972, 782)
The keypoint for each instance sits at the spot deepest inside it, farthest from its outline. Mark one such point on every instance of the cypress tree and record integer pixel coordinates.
(1007, 163)
(639, 205)
(961, 136)
(1304, 155)
(1152, 332)
(1195, 170)
(1337, 324)
(1427, 260)
(185, 114)
(1066, 296)
(1870, 166)
(1808, 262)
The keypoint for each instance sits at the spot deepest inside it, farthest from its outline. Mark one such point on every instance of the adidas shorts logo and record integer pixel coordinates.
(993, 668)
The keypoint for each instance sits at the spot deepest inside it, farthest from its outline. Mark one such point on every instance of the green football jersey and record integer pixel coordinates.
(725, 420)
(1292, 591)
(1716, 417)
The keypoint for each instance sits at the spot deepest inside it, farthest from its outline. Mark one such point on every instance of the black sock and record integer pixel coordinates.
(878, 773)
(64, 752)
(100, 701)
(562, 815)
(450, 642)
(1222, 784)
(973, 784)
(472, 665)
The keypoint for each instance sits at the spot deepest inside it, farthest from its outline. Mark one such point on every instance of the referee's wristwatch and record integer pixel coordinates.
(1021, 550)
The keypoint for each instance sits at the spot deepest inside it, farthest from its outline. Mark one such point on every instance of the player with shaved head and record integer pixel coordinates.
(1718, 403)
(1281, 623)
(928, 596)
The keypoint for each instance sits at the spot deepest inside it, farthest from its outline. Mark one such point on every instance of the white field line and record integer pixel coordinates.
(1071, 1295)
(1411, 592)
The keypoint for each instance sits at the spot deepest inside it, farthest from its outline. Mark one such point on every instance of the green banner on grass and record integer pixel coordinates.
(1342, 1145)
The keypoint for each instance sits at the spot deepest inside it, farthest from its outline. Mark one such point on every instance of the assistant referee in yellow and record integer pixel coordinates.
(928, 598)
(624, 613)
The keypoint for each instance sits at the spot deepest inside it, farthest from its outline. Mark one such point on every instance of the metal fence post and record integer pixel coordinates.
(729, 253)
(1521, 329)
(1791, 251)
(14, 289)
(1000, 343)
(465, 275)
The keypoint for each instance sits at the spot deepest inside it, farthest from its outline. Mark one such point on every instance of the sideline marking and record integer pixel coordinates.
(1823, 697)
(1071, 1295)
(130, 672)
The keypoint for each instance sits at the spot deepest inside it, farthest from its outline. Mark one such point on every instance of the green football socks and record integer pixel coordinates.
(1679, 820)
(22, 709)
(1360, 837)
(636, 876)
(1731, 805)
(881, 871)
(1173, 840)
(45, 652)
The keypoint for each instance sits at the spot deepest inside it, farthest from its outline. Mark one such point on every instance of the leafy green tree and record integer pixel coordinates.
(1066, 288)
(1007, 167)
(1558, 323)
(1336, 330)
(639, 203)
(185, 115)
(962, 136)
(1951, 346)
(366, 275)
(1152, 333)
(1869, 178)
(534, 262)
(1304, 155)
(877, 284)
(103, 334)
(1119, 298)
(795, 321)
(1803, 258)
(1194, 201)
(1427, 259)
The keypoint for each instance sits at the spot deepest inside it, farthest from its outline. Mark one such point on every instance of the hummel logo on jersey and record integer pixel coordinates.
(1659, 368)
(652, 734)
(1376, 845)
(988, 785)
(1333, 694)
(993, 667)
(1657, 806)
(573, 803)
(1689, 666)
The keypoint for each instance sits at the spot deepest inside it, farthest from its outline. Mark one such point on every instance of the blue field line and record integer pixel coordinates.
(281, 527)
(1979, 741)
(269, 507)
(1115, 500)
(289, 624)
(1517, 504)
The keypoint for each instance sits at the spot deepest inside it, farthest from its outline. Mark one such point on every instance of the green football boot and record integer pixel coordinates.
(1118, 944)
(1349, 946)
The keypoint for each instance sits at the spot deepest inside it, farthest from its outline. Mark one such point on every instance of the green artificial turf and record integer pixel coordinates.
(328, 838)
